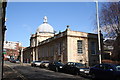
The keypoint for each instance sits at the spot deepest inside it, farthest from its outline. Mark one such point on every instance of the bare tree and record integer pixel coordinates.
(109, 23)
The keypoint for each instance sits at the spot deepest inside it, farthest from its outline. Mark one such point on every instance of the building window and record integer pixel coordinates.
(93, 48)
(52, 50)
(59, 48)
(80, 46)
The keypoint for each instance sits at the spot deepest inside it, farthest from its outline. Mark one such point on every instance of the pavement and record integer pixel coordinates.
(11, 74)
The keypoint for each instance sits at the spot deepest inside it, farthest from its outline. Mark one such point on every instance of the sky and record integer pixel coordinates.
(23, 18)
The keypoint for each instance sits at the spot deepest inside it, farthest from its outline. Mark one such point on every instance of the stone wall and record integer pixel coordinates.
(73, 55)
(64, 47)
(53, 50)
(28, 54)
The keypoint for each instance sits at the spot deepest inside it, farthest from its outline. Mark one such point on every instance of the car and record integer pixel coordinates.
(17, 61)
(105, 71)
(84, 71)
(12, 61)
(75, 68)
(44, 64)
(35, 63)
(55, 66)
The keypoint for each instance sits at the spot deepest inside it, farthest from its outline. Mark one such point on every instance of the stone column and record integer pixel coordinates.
(36, 49)
(33, 54)
(22, 55)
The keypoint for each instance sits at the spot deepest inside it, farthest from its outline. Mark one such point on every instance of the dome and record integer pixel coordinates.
(45, 27)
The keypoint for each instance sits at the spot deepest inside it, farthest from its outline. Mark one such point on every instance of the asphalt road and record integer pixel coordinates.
(26, 72)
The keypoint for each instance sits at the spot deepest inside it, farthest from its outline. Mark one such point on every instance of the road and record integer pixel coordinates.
(26, 72)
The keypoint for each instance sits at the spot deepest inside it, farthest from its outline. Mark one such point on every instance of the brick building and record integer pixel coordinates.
(12, 49)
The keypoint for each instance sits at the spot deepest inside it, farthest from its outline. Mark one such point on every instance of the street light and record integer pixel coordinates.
(98, 26)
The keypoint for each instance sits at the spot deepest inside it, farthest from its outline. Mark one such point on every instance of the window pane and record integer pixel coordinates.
(79, 44)
(93, 48)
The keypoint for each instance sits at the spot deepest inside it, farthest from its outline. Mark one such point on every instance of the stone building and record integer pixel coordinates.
(67, 46)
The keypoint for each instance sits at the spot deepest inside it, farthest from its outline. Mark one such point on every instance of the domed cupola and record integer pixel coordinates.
(45, 27)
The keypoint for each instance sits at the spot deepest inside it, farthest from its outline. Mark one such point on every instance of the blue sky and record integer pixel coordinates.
(23, 18)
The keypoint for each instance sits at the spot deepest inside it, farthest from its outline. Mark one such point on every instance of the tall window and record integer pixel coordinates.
(52, 50)
(59, 48)
(93, 48)
(80, 46)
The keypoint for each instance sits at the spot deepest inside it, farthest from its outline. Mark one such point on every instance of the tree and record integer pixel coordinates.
(110, 26)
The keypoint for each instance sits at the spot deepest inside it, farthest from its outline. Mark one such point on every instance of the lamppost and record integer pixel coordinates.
(99, 37)
(119, 18)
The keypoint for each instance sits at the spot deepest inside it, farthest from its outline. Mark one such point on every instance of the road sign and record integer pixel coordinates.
(4, 52)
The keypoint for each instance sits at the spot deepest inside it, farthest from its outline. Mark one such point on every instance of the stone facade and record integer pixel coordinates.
(67, 46)
(64, 47)
(39, 37)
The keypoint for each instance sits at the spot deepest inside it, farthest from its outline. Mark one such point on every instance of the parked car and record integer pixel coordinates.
(44, 64)
(55, 66)
(17, 61)
(75, 68)
(12, 61)
(35, 63)
(105, 72)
